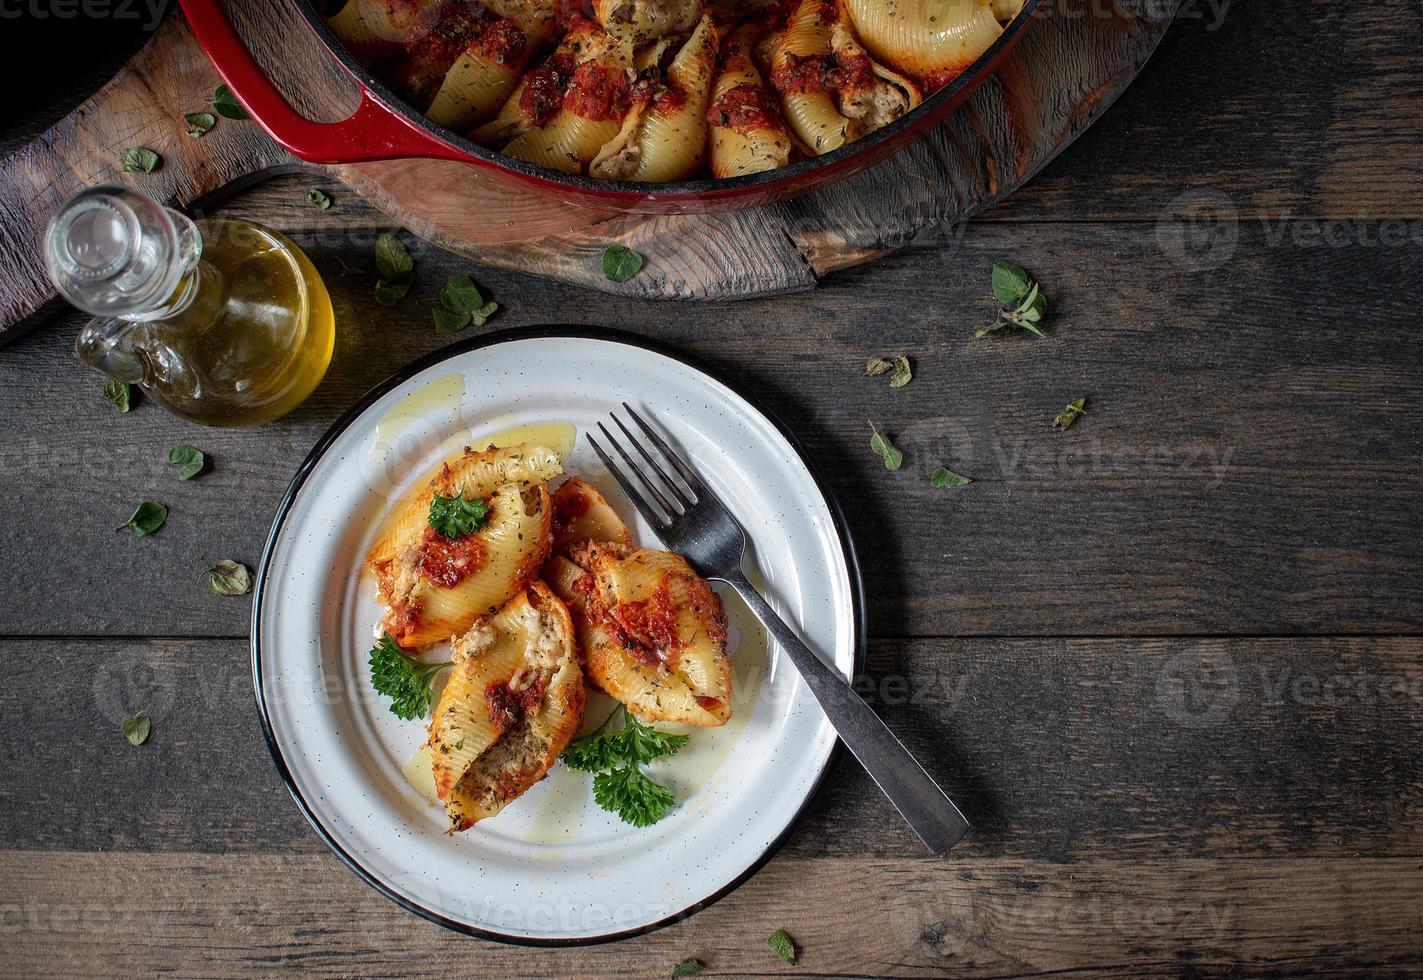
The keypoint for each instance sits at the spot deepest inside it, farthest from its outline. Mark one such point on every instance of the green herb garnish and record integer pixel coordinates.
(620, 263)
(139, 160)
(885, 450)
(136, 727)
(230, 577)
(199, 123)
(147, 518)
(396, 268)
(319, 198)
(462, 304)
(454, 517)
(689, 967)
(632, 795)
(943, 477)
(783, 946)
(899, 365)
(1024, 305)
(406, 681)
(227, 105)
(120, 393)
(1069, 414)
(619, 785)
(191, 460)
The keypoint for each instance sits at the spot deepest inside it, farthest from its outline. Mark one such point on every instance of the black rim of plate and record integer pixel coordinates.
(558, 331)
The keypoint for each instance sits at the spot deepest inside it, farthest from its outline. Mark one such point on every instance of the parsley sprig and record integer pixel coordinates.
(454, 517)
(406, 681)
(614, 758)
(1024, 305)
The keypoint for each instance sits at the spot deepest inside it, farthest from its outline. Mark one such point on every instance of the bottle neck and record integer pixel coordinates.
(116, 253)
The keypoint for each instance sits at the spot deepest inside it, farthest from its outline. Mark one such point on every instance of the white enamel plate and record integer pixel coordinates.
(552, 868)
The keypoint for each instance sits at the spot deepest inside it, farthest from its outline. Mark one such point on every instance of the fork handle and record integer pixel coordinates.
(925, 807)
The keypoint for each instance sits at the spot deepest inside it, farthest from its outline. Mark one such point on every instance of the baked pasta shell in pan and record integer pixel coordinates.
(637, 91)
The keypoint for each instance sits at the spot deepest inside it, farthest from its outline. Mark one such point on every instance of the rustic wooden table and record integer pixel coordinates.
(1168, 661)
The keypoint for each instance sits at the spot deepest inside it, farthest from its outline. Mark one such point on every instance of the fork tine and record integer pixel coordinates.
(672, 511)
(688, 475)
(653, 515)
(685, 498)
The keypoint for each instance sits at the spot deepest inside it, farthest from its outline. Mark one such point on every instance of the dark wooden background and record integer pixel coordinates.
(1168, 661)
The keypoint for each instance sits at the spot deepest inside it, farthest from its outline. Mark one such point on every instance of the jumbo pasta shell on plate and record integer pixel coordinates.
(652, 632)
(435, 587)
(513, 701)
(581, 513)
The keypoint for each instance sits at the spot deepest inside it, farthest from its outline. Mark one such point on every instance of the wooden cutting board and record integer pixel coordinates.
(1074, 61)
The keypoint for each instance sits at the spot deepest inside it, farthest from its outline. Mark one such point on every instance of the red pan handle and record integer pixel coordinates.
(373, 132)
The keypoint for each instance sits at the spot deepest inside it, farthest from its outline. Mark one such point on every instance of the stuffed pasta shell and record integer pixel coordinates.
(652, 632)
(832, 91)
(375, 30)
(589, 112)
(933, 40)
(513, 701)
(664, 135)
(580, 513)
(643, 90)
(482, 77)
(638, 22)
(466, 544)
(747, 135)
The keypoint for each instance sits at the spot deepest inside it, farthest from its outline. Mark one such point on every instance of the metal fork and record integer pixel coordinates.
(689, 518)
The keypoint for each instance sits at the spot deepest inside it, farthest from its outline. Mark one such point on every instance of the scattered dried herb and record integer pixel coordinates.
(319, 198)
(148, 517)
(783, 946)
(620, 263)
(120, 393)
(199, 123)
(462, 304)
(396, 269)
(1068, 415)
(191, 460)
(139, 160)
(943, 477)
(230, 577)
(226, 104)
(1024, 305)
(885, 450)
(137, 727)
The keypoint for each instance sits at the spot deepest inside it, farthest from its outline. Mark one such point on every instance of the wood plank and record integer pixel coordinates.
(1250, 463)
(200, 915)
(1058, 750)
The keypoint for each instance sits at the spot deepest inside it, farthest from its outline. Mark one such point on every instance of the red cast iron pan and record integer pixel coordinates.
(384, 127)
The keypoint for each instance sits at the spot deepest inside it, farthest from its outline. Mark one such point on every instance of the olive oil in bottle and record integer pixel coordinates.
(222, 321)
